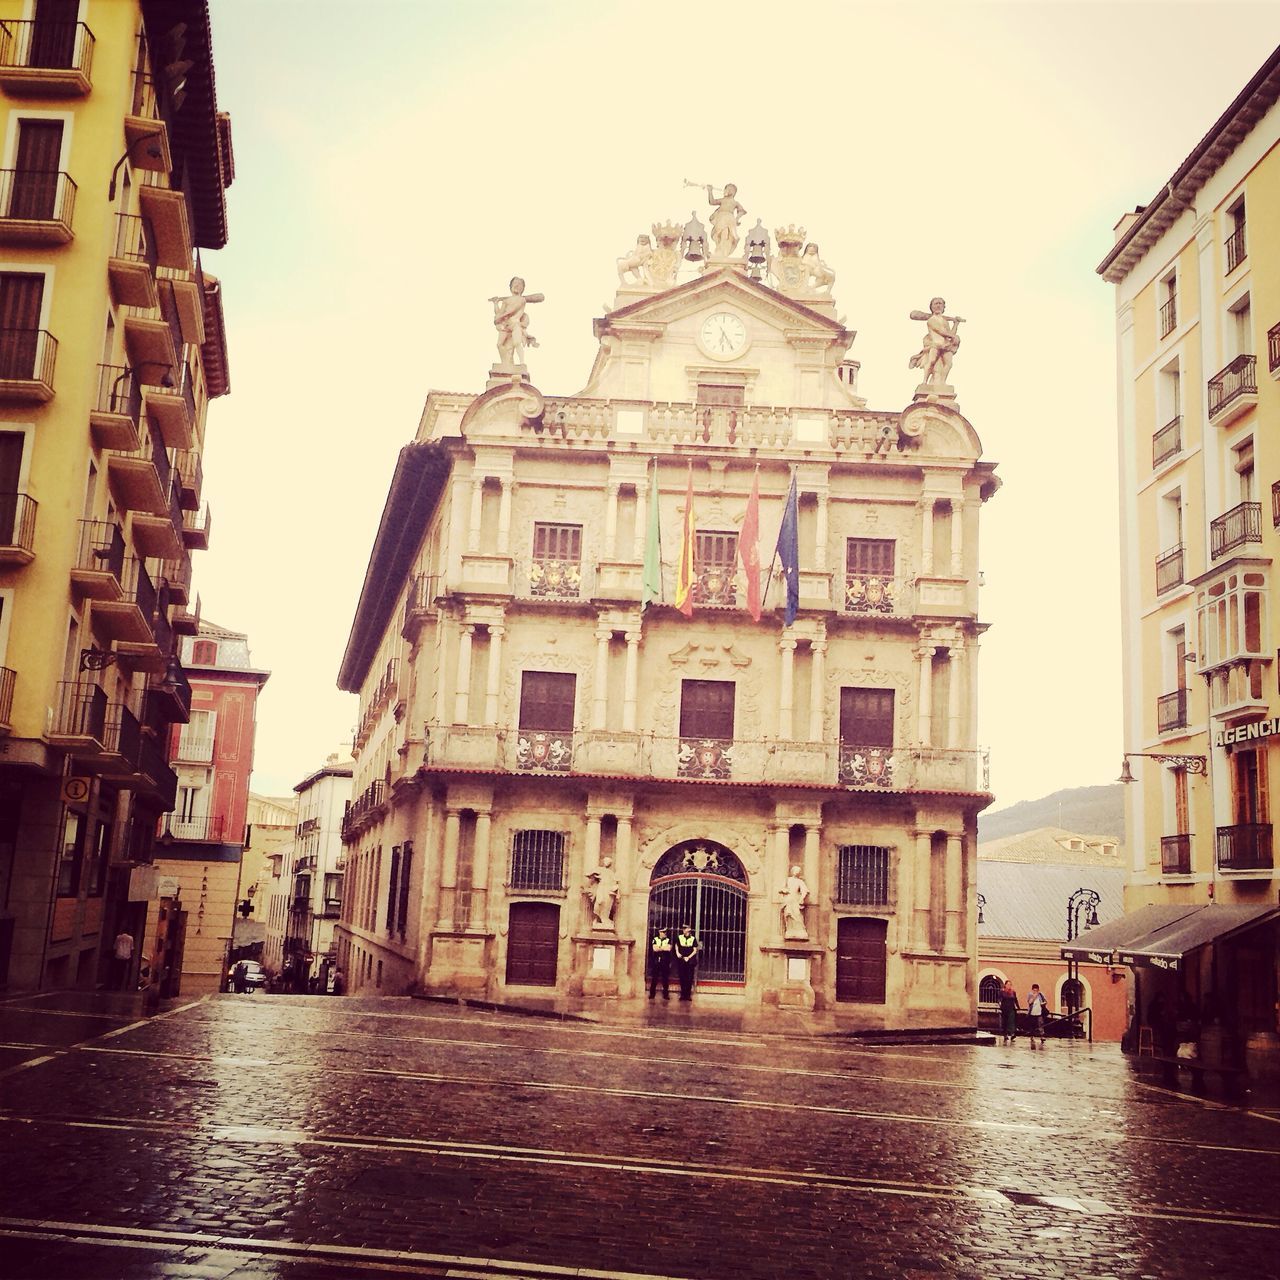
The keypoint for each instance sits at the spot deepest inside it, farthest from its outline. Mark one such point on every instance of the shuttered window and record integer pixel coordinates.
(706, 709)
(866, 717)
(870, 557)
(557, 542)
(546, 700)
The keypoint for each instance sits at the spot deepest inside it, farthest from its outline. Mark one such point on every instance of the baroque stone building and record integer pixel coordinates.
(573, 725)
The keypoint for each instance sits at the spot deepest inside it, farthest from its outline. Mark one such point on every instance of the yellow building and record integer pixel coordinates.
(1197, 276)
(553, 758)
(115, 163)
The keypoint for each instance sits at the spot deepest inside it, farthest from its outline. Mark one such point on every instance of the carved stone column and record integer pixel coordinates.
(812, 873)
(817, 691)
(820, 536)
(955, 679)
(477, 511)
(611, 522)
(629, 691)
(590, 853)
(622, 857)
(787, 648)
(926, 536)
(642, 520)
(496, 633)
(480, 873)
(449, 869)
(924, 723)
(600, 693)
(504, 517)
(462, 690)
(955, 893)
(957, 538)
(922, 873)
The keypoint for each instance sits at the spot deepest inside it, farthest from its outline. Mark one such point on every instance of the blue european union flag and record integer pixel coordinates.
(788, 552)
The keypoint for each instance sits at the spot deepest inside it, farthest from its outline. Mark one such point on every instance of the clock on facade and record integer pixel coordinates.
(723, 335)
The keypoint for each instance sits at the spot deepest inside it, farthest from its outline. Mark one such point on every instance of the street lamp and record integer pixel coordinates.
(1187, 764)
(1076, 904)
(982, 902)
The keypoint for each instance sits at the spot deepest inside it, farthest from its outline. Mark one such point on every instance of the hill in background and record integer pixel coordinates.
(1092, 811)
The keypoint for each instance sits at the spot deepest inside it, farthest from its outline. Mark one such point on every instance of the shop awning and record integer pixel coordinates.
(1167, 947)
(1098, 946)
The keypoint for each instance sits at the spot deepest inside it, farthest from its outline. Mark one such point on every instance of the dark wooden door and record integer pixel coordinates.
(11, 445)
(533, 941)
(53, 33)
(35, 178)
(20, 297)
(860, 961)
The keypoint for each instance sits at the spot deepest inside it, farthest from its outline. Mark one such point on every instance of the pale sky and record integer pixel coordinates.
(397, 161)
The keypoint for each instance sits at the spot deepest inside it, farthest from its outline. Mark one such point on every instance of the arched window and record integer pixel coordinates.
(989, 989)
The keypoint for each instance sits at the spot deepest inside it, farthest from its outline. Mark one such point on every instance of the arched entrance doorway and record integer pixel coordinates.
(700, 882)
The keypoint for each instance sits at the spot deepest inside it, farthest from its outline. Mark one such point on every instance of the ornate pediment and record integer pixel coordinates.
(709, 656)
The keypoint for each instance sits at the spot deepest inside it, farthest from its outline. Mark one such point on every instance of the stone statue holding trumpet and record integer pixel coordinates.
(724, 221)
(512, 323)
(941, 342)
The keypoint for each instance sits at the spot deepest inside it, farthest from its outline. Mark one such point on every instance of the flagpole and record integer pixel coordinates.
(768, 582)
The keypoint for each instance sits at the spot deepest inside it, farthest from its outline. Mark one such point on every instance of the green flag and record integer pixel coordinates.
(652, 588)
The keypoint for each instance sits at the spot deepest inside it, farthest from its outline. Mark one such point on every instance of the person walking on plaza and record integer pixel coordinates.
(1037, 1008)
(687, 948)
(1008, 1011)
(660, 964)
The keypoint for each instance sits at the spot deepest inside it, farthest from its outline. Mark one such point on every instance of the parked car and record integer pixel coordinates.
(254, 975)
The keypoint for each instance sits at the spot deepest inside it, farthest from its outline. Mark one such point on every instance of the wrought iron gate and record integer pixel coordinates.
(703, 884)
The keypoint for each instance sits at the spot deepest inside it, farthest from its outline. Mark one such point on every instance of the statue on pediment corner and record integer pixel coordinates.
(636, 262)
(818, 276)
(941, 342)
(512, 324)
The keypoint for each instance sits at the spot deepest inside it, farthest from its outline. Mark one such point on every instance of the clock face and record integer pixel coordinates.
(724, 335)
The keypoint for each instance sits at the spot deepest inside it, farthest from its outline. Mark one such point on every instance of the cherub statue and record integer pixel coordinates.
(512, 323)
(602, 888)
(794, 896)
(941, 342)
(636, 262)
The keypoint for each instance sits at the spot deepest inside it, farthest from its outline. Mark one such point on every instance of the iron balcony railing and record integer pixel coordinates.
(153, 766)
(1175, 855)
(48, 46)
(124, 733)
(17, 521)
(8, 681)
(28, 355)
(197, 522)
(1236, 250)
(42, 195)
(176, 572)
(866, 766)
(118, 392)
(1167, 441)
(101, 548)
(1239, 378)
(197, 827)
(704, 758)
(190, 469)
(134, 241)
(81, 711)
(362, 808)
(1275, 504)
(555, 578)
(419, 603)
(167, 693)
(1234, 528)
(1169, 316)
(1171, 711)
(1273, 348)
(161, 627)
(194, 748)
(1170, 568)
(1246, 846)
(139, 588)
(874, 593)
(544, 749)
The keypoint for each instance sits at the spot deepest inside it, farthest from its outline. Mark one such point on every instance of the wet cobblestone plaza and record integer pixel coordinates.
(258, 1136)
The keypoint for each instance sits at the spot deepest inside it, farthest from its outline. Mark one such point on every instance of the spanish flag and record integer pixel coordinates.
(684, 568)
(749, 548)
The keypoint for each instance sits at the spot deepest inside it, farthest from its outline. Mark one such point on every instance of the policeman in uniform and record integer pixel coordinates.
(687, 948)
(660, 970)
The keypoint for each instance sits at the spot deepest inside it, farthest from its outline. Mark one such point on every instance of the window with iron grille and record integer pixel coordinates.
(862, 875)
(546, 700)
(557, 542)
(866, 717)
(989, 989)
(870, 557)
(706, 709)
(537, 860)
